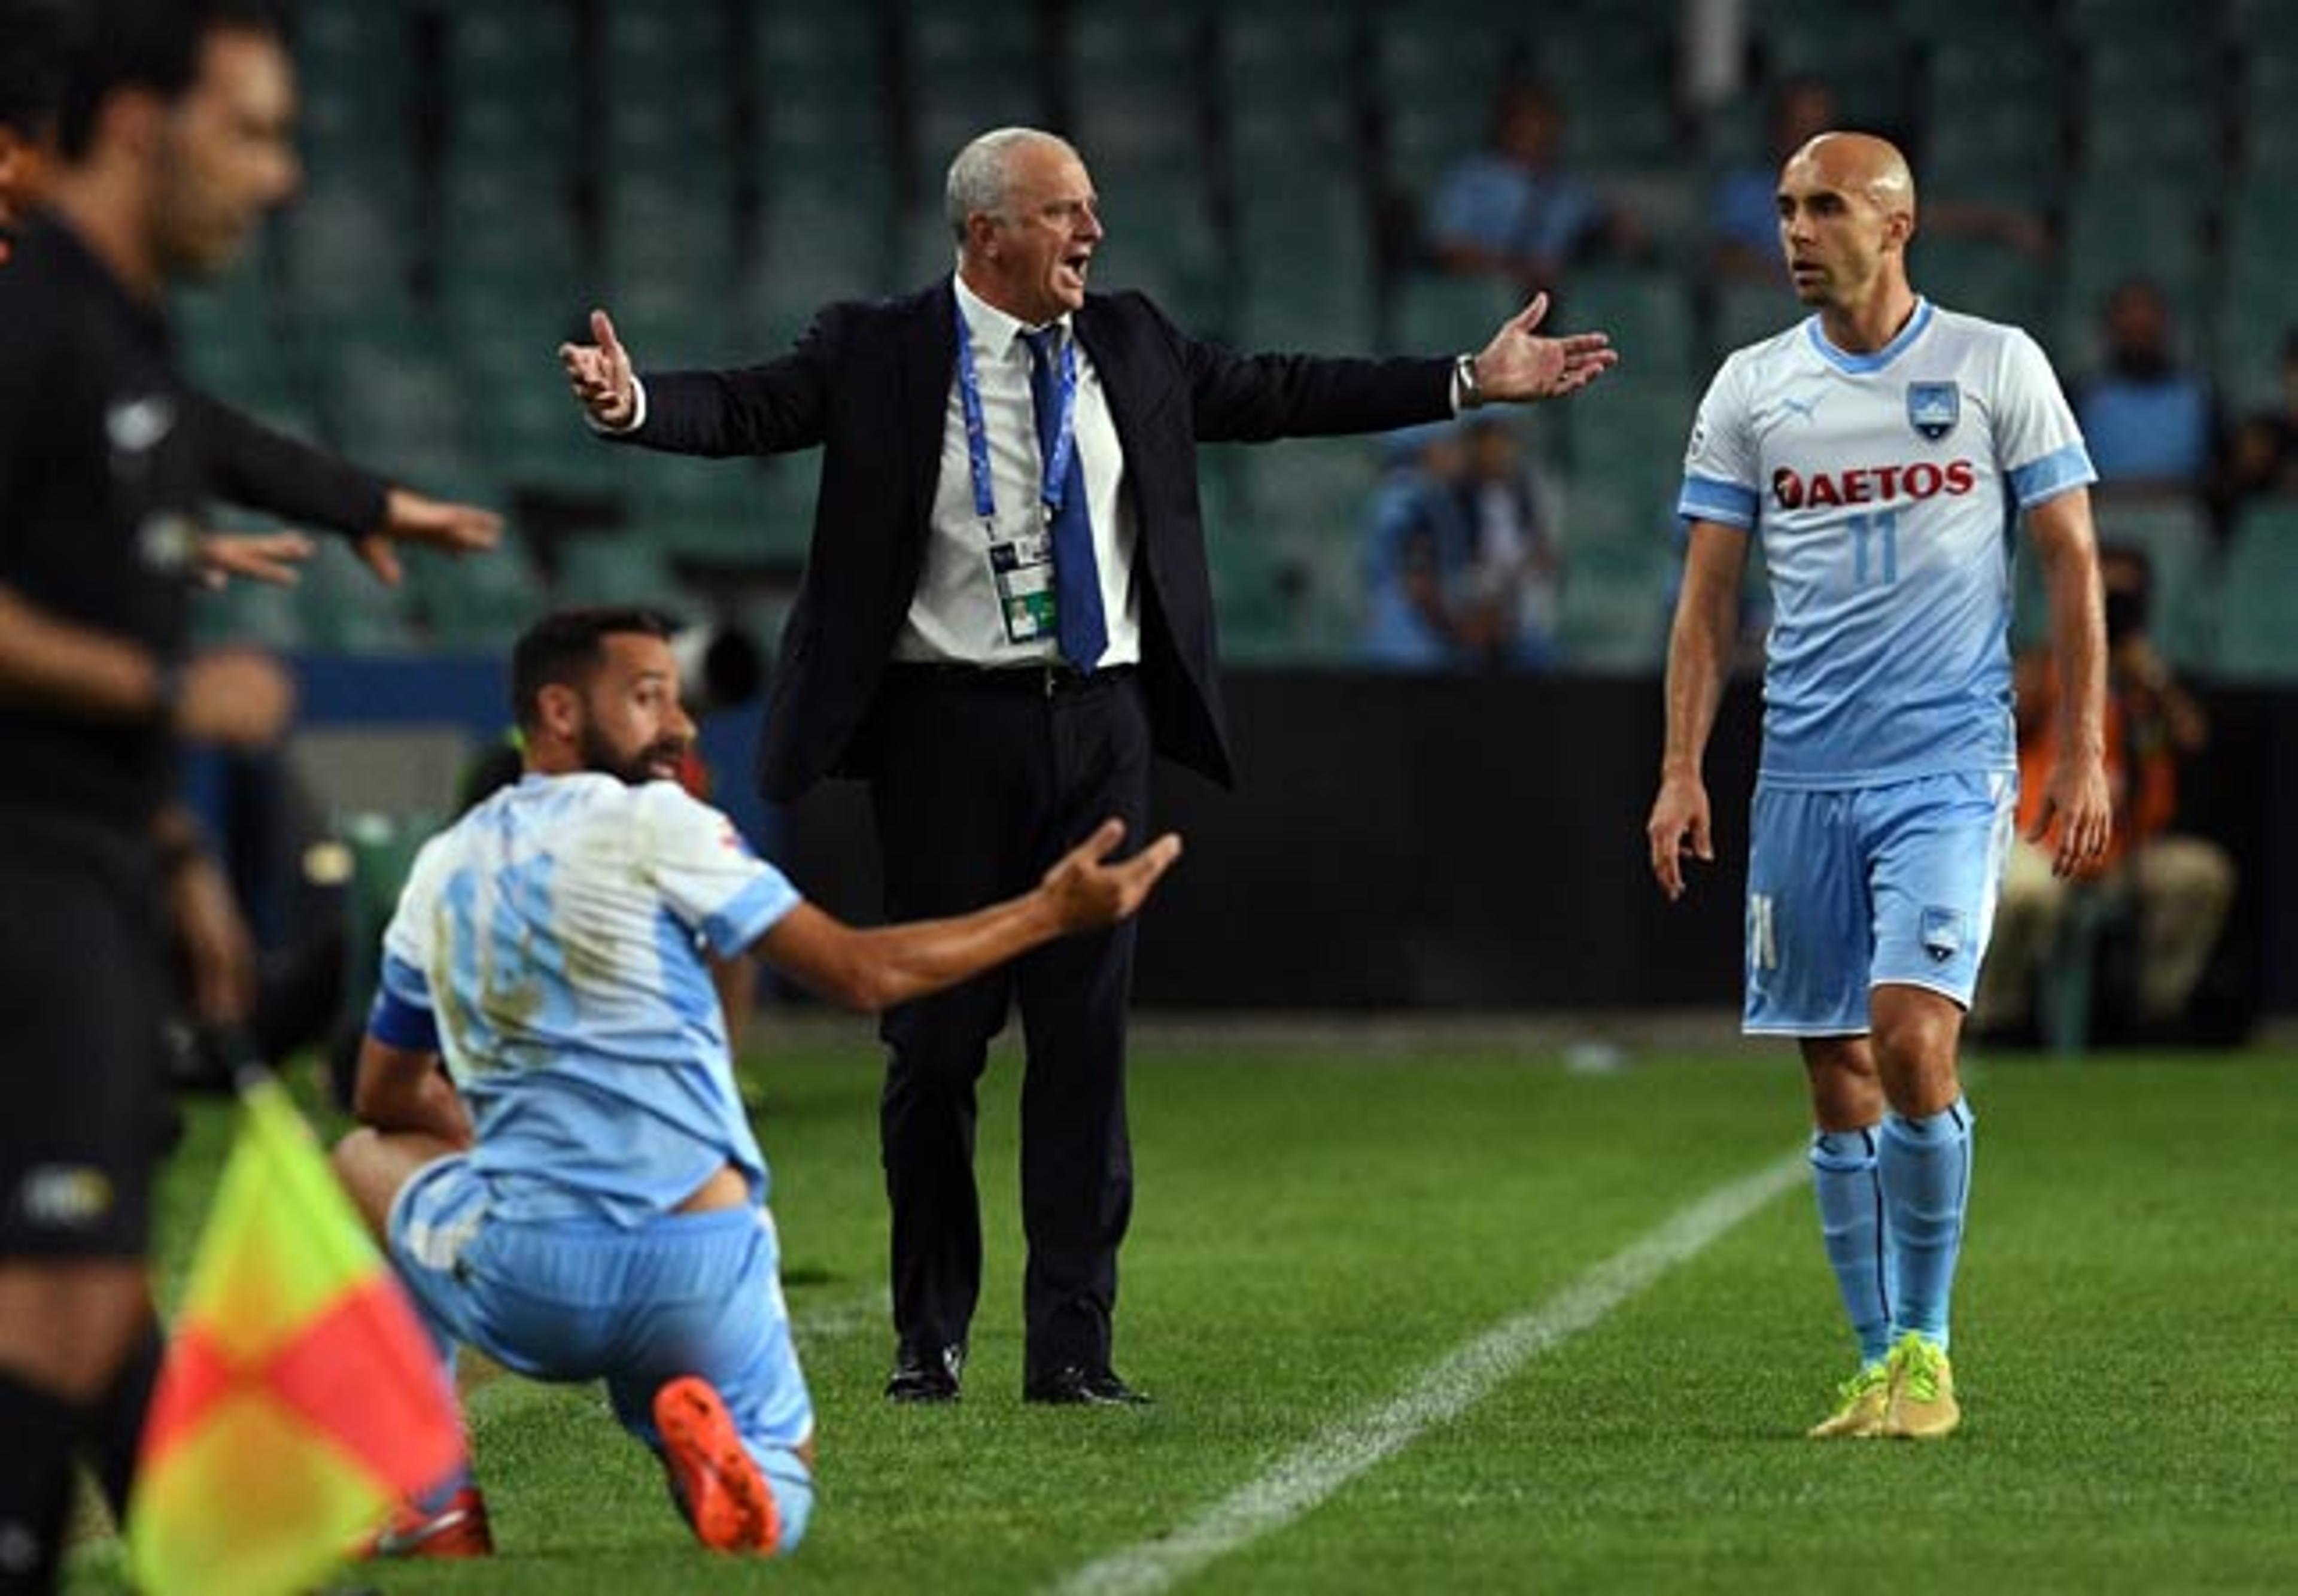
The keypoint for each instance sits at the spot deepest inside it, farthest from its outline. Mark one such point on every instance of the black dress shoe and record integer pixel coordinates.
(926, 1373)
(1077, 1385)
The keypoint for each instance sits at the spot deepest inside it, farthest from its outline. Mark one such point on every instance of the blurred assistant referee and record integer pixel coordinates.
(248, 463)
(173, 138)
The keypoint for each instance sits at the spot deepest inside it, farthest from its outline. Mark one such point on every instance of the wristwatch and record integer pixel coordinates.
(1464, 373)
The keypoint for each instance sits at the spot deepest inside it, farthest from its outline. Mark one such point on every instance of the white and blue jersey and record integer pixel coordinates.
(1884, 488)
(551, 946)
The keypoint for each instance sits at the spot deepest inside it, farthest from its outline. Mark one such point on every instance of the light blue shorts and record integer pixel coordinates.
(696, 1293)
(1854, 887)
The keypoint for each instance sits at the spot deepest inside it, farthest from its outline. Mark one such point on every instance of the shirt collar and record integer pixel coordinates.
(1859, 364)
(994, 329)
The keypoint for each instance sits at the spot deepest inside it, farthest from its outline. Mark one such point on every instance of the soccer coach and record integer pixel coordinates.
(1005, 609)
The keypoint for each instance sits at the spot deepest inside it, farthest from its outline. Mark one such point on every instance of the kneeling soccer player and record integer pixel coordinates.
(579, 1195)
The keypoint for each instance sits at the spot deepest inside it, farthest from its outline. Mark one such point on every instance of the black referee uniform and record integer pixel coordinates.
(102, 477)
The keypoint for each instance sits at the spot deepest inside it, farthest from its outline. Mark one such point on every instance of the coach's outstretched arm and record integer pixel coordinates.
(877, 969)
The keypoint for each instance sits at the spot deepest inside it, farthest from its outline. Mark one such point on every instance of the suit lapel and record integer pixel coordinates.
(927, 358)
(1102, 334)
(1102, 337)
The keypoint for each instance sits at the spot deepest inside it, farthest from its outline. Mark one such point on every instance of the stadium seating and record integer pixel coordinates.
(2256, 641)
(481, 174)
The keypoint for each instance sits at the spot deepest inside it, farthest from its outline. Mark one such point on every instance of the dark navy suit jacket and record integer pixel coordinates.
(869, 383)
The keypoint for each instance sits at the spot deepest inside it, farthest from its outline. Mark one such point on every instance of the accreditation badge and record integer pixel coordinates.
(1023, 571)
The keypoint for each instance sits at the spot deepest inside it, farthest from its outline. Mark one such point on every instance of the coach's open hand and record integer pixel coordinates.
(1518, 366)
(1086, 893)
(600, 375)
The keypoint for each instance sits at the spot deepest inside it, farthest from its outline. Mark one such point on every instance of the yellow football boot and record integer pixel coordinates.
(1921, 1406)
(1860, 1403)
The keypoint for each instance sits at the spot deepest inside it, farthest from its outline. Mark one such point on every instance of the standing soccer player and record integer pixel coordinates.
(1881, 448)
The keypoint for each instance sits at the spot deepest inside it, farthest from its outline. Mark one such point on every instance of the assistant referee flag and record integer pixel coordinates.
(301, 1396)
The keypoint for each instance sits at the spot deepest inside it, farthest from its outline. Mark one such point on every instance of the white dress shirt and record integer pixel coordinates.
(954, 617)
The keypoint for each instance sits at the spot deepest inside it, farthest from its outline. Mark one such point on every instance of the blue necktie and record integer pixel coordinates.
(1079, 626)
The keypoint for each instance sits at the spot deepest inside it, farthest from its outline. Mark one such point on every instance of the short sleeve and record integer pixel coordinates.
(2039, 446)
(403, 1014)
(708, 877)
(1719, 464)
(407, 940)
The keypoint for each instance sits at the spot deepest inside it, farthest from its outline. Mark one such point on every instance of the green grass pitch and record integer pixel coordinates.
(1318, 1227)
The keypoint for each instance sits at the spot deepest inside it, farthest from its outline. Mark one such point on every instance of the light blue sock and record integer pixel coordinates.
(792, 1484)
(1851, 1222)
(1925, 1165)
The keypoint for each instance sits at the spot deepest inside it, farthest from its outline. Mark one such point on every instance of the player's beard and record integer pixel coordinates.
(633, 769)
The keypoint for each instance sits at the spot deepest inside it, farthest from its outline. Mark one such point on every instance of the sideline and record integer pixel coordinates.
(1322, 1465)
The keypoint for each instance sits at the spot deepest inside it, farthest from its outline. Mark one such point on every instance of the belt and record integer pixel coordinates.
(1050, 680)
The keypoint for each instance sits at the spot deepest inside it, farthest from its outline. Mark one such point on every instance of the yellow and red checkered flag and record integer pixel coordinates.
(300, 1395)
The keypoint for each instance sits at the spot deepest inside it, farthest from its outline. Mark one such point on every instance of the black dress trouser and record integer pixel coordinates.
(981, 780)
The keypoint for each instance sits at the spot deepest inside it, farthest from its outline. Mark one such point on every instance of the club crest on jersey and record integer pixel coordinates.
(1934, 408)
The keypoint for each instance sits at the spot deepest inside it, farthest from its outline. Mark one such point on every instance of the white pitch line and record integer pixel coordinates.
(1324, 1464)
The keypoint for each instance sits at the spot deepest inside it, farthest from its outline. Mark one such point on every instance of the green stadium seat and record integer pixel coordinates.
(2257, 295)
(1426, 139)
(1136, 81)
(2256, 639)
(1612, 623)
(1304, 262)
(344, 611)
(1432, 68)
(615, 568)
(2262, 24)
(347, 251)
(1981, 277)
(1435, 313)
(2176, 536)
(1304, 504)
(2119, 228)
(2007, 146)
(1741, 313)
(1287, 54)
(477, 605)
(1646, 312)
(2113, 23)
(1162, 240)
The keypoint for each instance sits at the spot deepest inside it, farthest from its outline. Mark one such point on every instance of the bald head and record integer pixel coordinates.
(1847, 206)
(1857, 164)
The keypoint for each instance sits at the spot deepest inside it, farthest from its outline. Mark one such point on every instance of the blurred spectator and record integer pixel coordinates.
(1513, 210)
(2262, 454)
(1743, 217)
(1461, 569)
(2149, 420)
(2175, 888)
(1516, 566)
(1418, 540)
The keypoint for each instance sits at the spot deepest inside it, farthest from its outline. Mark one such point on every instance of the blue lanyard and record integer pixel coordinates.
(977, 432)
